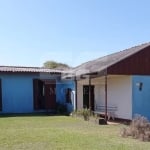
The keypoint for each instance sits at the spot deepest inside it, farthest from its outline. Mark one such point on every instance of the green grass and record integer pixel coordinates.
(62, 133)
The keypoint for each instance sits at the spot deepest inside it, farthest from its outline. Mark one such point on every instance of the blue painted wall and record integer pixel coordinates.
(17, 91)
(141, 99)
(61, 92)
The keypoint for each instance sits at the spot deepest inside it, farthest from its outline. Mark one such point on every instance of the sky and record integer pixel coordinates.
(69, 31)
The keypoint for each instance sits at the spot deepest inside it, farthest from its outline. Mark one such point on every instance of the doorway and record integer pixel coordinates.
(86, 101)
(44, 92)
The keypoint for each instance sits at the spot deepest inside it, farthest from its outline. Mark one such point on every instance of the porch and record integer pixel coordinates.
(118, 93)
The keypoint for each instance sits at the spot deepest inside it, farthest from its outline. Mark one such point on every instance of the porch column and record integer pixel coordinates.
(106, 96)
(89, 92)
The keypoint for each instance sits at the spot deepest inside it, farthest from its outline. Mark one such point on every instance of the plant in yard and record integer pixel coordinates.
(138, 129)
(86, 114)
(61, 108)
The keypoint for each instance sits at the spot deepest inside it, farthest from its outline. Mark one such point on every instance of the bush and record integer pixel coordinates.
(61, 108)
(85, 113)
(138, 129)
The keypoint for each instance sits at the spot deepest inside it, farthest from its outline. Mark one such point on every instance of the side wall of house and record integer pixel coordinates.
(141, 95)
(119, 94)
(17, 91)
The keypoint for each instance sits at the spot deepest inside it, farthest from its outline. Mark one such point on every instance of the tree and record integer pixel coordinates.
(56, 65)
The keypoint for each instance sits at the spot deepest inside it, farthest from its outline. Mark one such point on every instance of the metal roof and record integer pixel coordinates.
(28, 69)
(102, 63)
(93, 66)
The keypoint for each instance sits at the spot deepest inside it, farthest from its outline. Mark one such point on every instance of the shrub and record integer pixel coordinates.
(61, 108)
(85, 113)
(138, 129)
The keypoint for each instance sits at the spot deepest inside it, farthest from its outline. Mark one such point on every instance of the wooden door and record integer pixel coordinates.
(35, 94)
(50, 94)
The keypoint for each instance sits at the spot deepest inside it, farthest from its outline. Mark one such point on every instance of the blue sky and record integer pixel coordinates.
(69, 31)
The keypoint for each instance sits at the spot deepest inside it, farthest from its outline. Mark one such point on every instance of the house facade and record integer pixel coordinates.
(28, 90)
(120, 80)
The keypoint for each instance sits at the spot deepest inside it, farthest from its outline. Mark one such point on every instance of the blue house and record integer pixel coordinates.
(33, 89)
(118, 83)
(120, 80)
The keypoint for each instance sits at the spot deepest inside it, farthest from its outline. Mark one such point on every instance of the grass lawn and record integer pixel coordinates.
(62, 133)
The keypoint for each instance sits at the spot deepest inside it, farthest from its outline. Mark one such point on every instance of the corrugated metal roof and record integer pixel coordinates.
(96, 65)
(28, 69)
(104, 62)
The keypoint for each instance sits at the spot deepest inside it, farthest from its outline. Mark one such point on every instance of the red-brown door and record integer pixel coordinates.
(50, 94)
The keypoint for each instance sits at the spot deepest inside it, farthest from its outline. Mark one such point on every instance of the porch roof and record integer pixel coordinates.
(102, 63)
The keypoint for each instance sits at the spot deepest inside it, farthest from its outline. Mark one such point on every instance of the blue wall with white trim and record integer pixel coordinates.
(17, 91)
(141, 98)
(61, 92)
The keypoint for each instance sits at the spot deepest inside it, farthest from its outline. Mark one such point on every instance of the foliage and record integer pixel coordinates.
(54, 65)
(85, 113)
(139, 129)
(61, 108)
